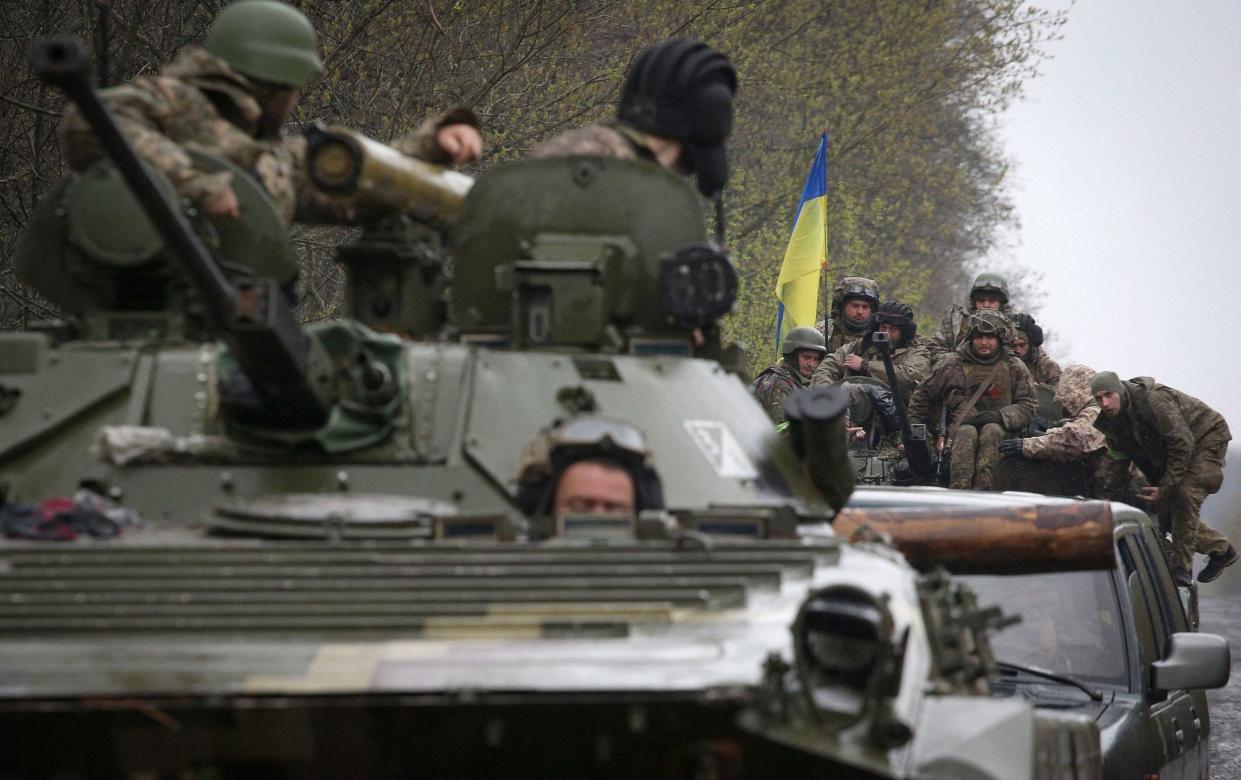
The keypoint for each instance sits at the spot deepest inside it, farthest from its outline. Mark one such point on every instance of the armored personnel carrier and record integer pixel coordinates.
(236, 545)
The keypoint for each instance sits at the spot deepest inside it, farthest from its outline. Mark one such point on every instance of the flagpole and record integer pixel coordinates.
(823, 282)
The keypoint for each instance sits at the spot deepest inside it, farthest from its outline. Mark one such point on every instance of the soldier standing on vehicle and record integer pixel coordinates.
(676, 110)
(988, 292)
(803, 350)
(1027, 344)
(230, 98)
(984, 392)
(854, 302)
(862, 358)
(1075, 439)
(1179, 444)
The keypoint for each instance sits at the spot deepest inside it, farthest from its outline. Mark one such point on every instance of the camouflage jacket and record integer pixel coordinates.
(774, 384)
(910, 362)
(837, 335)
(952, 329)
(1159, 430)
(1044, 370)
(614, 140)
(956, 377)
(1076, 438)
(199, 102)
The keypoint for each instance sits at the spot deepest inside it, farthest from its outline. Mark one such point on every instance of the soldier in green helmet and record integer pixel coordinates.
(989, 291)
(802, 351)
(986, 395)
(855, 299)
(230, 98)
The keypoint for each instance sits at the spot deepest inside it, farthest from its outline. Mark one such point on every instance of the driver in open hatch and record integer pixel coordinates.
(588, 465)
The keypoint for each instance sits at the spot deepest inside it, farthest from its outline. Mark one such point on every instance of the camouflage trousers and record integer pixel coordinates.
(1180, 514)
(974, 455)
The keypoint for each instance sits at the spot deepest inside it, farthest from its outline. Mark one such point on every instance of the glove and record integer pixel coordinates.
(983, 418)
(1010, 448)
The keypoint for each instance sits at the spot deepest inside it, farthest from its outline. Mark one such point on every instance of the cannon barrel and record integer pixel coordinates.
(255, 322)
(359, 170)
(1071, 536)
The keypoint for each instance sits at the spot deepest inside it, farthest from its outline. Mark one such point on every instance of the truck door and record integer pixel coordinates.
(1169, 712)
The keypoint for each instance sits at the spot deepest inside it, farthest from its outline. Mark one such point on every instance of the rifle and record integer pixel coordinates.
(916, 464)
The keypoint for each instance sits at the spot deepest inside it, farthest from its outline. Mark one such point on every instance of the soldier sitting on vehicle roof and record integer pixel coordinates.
(230, 98)
(802, 349)
(854, 302)
(862, 358)
(1027, 344)
(984, 392)
(588, 464)
(988, 292)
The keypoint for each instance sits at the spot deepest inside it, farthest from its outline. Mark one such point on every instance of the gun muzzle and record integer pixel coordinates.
(61, 62)
(350, 166)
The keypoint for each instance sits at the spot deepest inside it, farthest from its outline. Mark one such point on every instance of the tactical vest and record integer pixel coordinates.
(1000, 392)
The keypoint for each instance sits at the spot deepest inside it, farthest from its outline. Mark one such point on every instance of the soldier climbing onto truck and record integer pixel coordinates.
(1179, 444)
(230, 98)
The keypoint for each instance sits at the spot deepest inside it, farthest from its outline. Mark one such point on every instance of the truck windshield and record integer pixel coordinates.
(1070, 623)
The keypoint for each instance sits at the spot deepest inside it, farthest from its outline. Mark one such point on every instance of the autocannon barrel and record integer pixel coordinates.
(372, 175)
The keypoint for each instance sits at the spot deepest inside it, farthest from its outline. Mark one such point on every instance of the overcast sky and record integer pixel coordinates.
(1128, 186)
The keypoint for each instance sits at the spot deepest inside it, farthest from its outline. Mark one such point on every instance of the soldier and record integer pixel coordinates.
(676, 110)
(1027, 344)
(588, 464)
(802, 349)
(989, 291)
(854, 301)
(1076, 438)
(984, 392)
(861, 358)
(230, 98)
(1179, 444)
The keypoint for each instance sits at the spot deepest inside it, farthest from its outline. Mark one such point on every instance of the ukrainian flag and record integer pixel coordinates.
(797, 289)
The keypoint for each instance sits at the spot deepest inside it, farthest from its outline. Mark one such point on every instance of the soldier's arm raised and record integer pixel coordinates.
(142, 111)
(831, 369)
(444, 139)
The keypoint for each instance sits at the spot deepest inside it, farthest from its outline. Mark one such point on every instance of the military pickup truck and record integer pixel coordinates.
(1120, 646)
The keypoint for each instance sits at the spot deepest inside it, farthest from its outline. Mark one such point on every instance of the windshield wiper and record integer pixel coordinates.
(1093, 693)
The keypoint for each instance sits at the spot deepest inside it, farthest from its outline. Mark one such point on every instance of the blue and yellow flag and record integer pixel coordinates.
(797, 289)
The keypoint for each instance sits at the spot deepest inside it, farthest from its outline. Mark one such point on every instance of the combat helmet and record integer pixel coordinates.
(989, 323)
(684, 89)
(804, 337)
(266, 40)
(990, 284)
(899, 314)
(854, 288)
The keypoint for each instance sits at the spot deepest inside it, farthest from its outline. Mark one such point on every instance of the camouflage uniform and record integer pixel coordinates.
(953, 327)
(837, 330)
(615, 140)
(953, 381)
(200, 102)
(774, 384)
(1179, 444)
(1044, 370)
(910, 362)
(1077, 437)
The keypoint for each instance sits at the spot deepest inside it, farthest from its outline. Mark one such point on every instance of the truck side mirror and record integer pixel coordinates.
(1192, 661)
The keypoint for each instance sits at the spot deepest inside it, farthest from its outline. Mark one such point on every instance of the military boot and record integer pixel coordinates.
(1217, 563)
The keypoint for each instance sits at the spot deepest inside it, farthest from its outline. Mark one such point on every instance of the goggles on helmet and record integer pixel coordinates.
(601, 435)
(858, 289)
